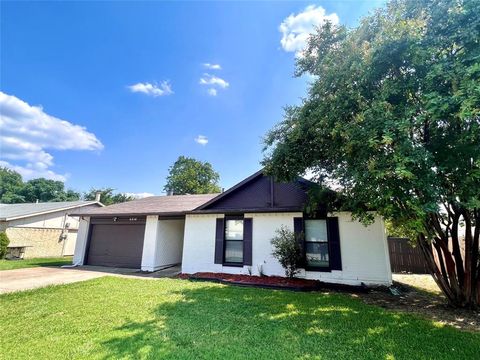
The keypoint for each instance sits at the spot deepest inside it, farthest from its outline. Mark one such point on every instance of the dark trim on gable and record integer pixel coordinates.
(233, 188)
(240, 211)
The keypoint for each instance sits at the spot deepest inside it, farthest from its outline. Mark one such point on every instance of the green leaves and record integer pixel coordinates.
(393, 112)
(14, 190)
(190, 176)
(107, 196)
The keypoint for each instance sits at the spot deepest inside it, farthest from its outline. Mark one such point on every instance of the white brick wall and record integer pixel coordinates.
(364, 249)
(162, 244)
(170, 242)
(81, 244)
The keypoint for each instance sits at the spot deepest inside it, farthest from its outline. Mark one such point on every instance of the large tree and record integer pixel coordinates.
(191, 176)
(392, 117)
(14, 190)
(11, 184)
(45, 190)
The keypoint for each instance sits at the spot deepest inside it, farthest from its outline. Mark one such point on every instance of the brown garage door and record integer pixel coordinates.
(117, 245)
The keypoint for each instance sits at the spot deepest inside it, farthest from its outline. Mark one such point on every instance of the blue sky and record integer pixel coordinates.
(109, 94)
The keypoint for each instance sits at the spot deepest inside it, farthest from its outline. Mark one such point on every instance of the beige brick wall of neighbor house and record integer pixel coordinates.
(38, 242)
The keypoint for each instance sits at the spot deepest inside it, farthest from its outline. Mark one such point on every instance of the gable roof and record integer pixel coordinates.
(257, 193)
(168, 205)
(18, 211)
(260, 193)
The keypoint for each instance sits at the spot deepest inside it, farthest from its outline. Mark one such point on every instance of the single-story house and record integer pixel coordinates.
(42, 229)
(231, 232)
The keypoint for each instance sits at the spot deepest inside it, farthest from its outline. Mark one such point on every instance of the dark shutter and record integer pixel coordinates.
(334, 244)
(247, 241)
(299, 234)
(219, 236)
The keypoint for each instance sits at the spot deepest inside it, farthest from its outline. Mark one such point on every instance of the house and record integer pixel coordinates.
(231, 233)
(42, 229)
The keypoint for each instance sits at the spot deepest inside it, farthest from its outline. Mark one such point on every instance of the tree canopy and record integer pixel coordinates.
(191, 176)
(14, 190)
(392, 116)
(107, 196)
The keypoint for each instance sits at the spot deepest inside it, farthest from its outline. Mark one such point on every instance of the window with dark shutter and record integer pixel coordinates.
(316, 244)
(322, 244)
(334, 241)
(247, 241)
(299, 234)
(219, 235)
(233, 240)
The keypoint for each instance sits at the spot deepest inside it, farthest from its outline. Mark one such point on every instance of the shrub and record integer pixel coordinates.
(287, 250)
(4, 241)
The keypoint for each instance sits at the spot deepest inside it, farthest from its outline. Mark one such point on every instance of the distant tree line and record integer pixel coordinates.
(14, 190)
(186, 176)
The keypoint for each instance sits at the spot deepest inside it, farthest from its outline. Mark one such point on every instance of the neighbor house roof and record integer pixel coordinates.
(18, 211)
(153, 205)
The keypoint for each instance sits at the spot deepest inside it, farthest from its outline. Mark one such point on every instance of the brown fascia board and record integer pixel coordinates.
(130, 214)
(245, 210)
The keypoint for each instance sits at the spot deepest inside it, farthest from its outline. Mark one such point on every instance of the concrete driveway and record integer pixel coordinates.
(32, 278)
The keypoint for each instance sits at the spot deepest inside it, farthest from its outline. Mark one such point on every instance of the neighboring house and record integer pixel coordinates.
(231, 233)
(42, 229)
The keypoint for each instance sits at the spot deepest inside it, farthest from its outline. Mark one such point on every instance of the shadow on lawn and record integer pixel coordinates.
(232, 322)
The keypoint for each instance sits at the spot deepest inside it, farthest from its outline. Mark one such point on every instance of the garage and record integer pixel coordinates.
(116, 242)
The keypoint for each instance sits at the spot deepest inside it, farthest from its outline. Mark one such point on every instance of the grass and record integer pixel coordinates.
(36, 262)
(119, 318)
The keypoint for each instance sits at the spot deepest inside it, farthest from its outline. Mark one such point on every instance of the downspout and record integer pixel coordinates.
(78, 262)
(63, 237)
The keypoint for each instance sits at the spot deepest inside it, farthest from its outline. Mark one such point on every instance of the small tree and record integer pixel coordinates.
(287, 250)
(4, 241)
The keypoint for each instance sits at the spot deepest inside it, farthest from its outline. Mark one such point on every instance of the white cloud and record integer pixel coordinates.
(152, 89)
(296, 28)
(202, 140)
(139, 195)
(212, 92)
(213, 80)
(27, 132)
(212, 66)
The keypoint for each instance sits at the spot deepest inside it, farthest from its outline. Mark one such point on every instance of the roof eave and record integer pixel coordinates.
(157, 213)
(50, 211)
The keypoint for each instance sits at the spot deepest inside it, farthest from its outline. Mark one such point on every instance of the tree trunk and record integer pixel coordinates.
(456, 273)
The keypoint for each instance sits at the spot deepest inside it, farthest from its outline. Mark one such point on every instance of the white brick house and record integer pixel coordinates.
(231, 233)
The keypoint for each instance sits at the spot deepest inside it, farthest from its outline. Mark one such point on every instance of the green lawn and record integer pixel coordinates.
(28, 263)
(113, 318)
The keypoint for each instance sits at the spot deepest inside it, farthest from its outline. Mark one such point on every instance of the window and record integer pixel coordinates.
(233, 240)
(316, 243)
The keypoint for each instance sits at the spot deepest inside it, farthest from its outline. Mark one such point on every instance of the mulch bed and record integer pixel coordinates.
(272, 282)
(427, 305)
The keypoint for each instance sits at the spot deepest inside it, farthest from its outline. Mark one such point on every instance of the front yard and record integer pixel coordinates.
(111, 318)
(29, 263)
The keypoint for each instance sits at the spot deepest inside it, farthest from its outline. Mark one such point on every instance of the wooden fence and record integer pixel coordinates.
(406, 258)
